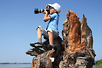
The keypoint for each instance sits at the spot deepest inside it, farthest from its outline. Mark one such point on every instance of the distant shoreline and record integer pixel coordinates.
(15, 63)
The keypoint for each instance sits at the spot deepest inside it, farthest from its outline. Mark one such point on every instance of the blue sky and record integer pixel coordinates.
(18, 25)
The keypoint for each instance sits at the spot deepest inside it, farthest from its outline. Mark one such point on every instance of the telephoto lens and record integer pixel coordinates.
(36, 11)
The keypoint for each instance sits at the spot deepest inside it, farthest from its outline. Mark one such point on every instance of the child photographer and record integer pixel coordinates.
(51, 31)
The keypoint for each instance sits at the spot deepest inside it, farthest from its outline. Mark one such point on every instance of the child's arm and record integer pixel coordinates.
(47, 16)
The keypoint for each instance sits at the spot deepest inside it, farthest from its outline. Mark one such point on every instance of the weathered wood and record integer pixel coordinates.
(43, 60)
(78, 43)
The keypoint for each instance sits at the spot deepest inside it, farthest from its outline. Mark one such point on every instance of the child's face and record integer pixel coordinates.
(52, 10)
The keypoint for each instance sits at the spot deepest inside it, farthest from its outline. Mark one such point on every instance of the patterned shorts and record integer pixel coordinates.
(45, 34)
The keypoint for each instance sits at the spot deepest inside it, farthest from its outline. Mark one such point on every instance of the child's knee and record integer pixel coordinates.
(38, 28)
(49, 33)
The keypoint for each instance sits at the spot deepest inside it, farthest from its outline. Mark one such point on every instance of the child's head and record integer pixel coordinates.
(55, 8)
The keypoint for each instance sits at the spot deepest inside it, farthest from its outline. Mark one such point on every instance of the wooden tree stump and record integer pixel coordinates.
(43, 60)
(74, 51)
(78, 43)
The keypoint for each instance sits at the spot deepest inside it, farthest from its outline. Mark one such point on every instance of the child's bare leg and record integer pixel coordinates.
(51, 43)
(50, 38)
(39, 35)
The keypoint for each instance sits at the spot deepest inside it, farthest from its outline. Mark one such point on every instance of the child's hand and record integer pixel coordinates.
(47, 16)
(46, 12)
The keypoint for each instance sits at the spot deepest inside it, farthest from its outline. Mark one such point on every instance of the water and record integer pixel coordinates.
(15, 65)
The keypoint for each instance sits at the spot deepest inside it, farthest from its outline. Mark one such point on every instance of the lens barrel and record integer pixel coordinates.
(36, 11)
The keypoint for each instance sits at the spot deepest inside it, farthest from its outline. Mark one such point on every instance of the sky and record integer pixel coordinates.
(18, 25)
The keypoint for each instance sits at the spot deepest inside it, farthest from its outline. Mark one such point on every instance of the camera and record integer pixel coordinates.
(36, 11)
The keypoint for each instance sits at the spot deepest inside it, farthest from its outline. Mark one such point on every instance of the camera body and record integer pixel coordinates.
(36, 11)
